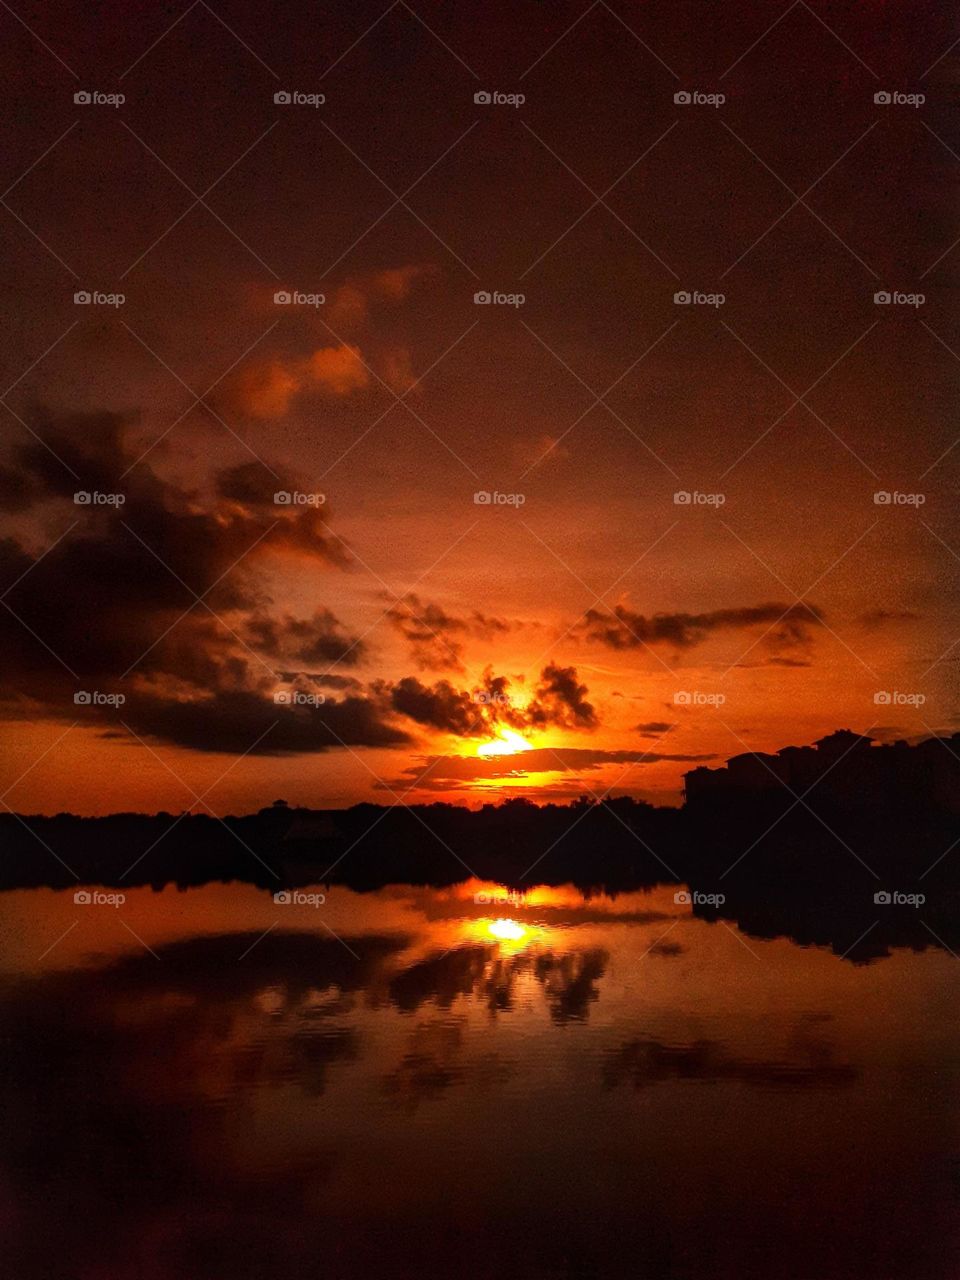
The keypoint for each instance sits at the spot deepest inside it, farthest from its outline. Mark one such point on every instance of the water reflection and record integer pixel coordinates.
(404, 1087)
(492, 975)
(645, 1061)
(506, 930)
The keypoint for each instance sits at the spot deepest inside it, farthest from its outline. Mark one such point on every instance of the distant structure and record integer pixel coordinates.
(845, 768)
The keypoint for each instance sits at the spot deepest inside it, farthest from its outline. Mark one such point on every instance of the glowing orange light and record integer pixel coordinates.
(507, 743)
(506, 930)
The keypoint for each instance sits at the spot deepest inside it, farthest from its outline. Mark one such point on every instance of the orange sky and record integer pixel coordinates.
(778, 603)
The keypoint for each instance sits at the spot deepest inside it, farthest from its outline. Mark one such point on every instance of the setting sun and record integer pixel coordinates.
(508, 743)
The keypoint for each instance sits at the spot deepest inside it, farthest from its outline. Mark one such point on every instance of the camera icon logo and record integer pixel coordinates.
(282, 298)
(482, 899)
(82, 98)
(682, 698)
(82, 699)
(882, 899)
(682, 498)
(882, 498)
(682, 898)
(282, 898)
(282, 98)
(482, 498)
(882, 99)
(82, 498)
(682, 299)
(882, 698)
(482, 98)
(282, 698)
(283, 498)
(82, 898)
(882, 298)
(482, 299)
(82, 299)
(682, 98)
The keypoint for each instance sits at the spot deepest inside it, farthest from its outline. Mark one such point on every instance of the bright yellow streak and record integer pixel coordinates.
(507, 743)
(506, 930)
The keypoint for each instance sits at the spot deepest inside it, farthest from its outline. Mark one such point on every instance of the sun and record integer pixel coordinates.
(507, 743)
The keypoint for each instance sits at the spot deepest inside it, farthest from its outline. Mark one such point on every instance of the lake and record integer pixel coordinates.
(466, 1082)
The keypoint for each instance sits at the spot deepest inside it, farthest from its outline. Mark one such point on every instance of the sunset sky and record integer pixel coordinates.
(412, 632)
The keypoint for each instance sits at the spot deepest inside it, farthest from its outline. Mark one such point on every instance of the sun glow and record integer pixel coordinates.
(507, 743)
(506, 930)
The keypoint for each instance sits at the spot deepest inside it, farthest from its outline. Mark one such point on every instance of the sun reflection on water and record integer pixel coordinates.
(506, 930)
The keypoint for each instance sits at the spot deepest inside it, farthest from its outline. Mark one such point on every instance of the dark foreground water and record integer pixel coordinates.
(414, 1083)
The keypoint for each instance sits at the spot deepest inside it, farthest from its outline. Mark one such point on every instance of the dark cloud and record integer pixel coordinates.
(111, 606)
(317, 639)
(559, 699)
(233, 720)
(250, 484)
(441, 707)
(427, 629)
(18, 489)
(435, 636)
(654, 728)
(624, 629)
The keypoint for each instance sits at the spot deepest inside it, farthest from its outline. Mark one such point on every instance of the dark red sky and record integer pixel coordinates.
(581, 613)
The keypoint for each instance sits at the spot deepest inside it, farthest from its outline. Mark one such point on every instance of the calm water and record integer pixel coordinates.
(414, 1083)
